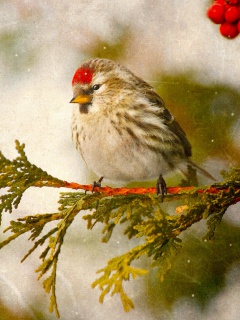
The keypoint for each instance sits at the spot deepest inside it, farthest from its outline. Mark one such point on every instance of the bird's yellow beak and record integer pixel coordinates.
(81, 99)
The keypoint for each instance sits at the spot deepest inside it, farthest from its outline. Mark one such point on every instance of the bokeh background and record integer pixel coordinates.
(173, 46)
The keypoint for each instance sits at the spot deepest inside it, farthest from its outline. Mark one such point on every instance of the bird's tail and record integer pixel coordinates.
(184, 169)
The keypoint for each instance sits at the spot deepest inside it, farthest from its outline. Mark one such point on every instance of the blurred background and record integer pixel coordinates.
(173, 46)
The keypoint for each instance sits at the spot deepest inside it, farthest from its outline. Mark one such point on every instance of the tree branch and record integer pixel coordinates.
(109, 191)
(140, 209)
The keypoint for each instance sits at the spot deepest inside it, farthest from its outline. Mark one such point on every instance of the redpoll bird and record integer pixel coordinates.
(122, 128)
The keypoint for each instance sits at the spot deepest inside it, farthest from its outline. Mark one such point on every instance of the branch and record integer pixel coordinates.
(139, 209)
(109, 191)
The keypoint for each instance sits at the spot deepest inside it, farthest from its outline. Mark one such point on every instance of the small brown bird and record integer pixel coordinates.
(122, 128)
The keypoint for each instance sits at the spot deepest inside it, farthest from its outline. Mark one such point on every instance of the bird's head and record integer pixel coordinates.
(101, 84)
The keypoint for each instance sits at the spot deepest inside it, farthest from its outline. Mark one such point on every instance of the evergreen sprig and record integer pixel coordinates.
(18, 175)
(142, 215)
(34, 225)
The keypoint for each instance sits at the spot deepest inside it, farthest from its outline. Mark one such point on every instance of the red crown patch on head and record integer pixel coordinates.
(83, 76)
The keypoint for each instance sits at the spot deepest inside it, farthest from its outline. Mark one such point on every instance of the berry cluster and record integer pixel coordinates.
(227, 14)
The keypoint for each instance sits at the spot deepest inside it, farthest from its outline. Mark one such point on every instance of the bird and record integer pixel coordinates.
(123, 129)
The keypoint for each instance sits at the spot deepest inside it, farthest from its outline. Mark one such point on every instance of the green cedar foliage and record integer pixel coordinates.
(142, 215)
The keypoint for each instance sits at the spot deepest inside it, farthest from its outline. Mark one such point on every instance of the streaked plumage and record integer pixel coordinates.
(121, 126)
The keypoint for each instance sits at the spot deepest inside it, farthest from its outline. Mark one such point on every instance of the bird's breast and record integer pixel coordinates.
(112, 150)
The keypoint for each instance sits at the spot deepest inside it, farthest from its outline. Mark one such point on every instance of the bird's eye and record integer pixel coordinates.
(96, 87)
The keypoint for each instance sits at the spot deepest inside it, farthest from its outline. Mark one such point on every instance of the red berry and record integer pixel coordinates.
(227, 6)
(233, 2)
(221, 2)
(216, 13)
(232, 14)
(229, 30)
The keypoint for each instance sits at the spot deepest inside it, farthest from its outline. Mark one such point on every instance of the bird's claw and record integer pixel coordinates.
(97, 184)
(161, 187)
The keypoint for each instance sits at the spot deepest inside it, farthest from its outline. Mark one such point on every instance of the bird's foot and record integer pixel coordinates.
(97, 184)
(161, 187)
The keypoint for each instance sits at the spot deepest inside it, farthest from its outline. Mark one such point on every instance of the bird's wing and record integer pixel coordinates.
(170, 122)
(175, 127)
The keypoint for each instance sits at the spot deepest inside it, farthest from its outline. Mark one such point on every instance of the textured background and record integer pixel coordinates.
(42, 43)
